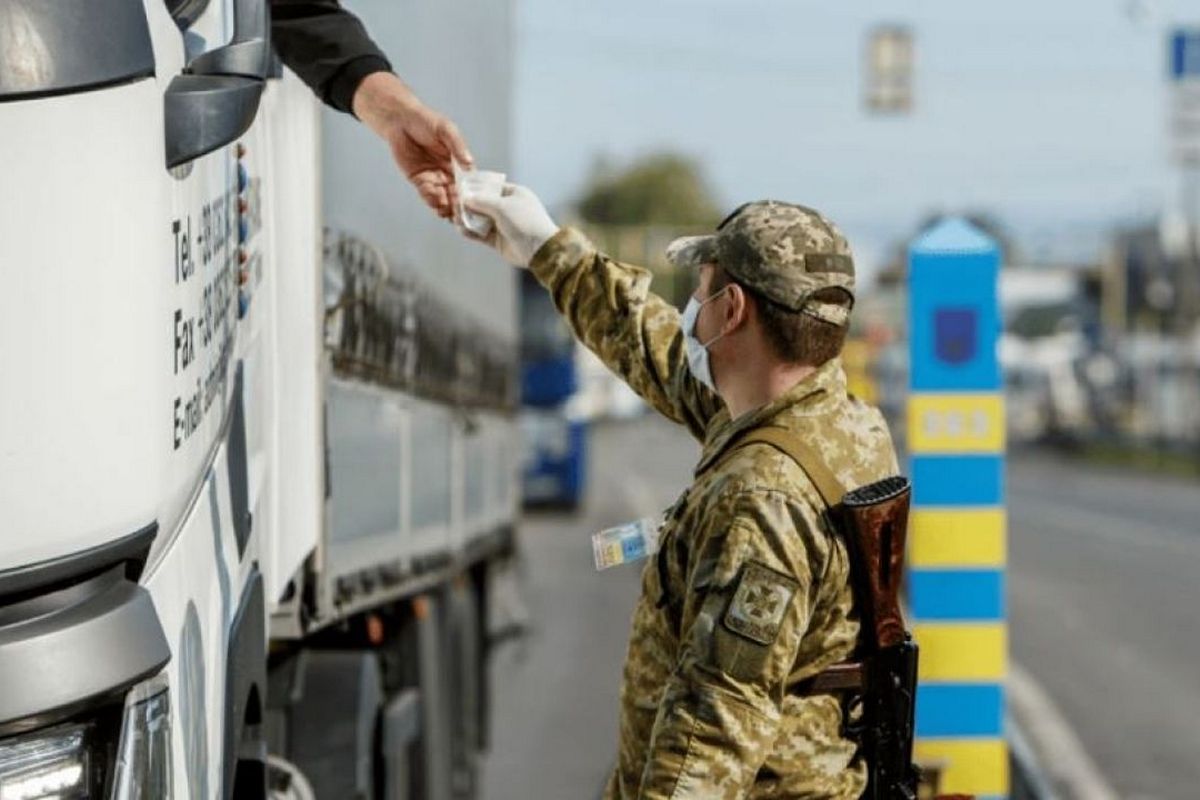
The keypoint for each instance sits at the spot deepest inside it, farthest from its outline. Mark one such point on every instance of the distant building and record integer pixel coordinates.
(1149, 286)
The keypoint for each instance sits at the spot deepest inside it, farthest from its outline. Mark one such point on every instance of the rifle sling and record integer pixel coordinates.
(848, 675)
(814, 466)
(844, 677)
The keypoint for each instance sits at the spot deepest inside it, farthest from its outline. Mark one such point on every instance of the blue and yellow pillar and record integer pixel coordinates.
(957, 548)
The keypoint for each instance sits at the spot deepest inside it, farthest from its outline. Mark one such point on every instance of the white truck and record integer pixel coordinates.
(257, 449)
(1045, 351)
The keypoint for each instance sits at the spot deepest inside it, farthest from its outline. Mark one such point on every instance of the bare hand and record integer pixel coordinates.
(422, 141)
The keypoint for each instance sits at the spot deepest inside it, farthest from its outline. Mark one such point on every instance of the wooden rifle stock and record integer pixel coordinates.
(875, 523)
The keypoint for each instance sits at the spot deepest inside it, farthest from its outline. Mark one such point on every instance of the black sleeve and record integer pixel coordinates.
(325, 45)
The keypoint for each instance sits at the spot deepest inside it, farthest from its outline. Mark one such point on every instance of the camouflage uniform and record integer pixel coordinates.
(749, 594)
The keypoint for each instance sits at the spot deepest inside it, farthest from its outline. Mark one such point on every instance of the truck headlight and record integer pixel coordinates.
(114, 752)
(60, 762)
(144, 759)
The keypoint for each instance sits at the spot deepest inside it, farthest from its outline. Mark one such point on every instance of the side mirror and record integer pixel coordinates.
(216, 98)
(248, 52)
(204, 112)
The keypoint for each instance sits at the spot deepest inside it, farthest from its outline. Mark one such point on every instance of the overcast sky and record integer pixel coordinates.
(1050, 113)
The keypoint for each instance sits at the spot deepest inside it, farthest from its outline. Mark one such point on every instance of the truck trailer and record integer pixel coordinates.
(258, 453)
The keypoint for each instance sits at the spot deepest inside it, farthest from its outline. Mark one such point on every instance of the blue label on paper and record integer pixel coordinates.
(633, 546)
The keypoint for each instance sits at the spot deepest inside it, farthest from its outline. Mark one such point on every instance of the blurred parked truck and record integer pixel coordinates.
(1060, 381)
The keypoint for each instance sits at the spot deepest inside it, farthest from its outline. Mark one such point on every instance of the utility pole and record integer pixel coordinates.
(1191, 209)
(1184, 57)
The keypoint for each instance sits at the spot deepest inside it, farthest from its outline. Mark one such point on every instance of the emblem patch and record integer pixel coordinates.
(760, 602)
(954, 334)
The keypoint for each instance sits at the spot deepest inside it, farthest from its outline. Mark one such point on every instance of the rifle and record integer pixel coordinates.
(874, 520)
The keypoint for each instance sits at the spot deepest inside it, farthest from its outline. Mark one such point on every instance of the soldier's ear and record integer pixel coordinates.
(737, 311)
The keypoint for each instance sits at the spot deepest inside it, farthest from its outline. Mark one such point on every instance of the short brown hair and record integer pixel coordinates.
(794, 336)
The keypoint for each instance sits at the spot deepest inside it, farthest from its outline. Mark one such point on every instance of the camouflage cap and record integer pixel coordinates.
(785, 251)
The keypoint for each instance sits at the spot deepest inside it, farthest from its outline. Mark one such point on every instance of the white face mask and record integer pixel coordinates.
(697, 351)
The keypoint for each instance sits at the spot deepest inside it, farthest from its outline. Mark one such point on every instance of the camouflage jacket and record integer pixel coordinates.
(749, 594)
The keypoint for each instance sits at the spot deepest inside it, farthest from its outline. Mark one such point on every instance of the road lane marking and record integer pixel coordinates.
(1059, 750)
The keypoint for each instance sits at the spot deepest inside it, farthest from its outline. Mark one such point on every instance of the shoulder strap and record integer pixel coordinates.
(795, 448)
(846, 677)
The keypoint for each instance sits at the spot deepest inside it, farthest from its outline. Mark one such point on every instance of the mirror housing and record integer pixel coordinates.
(216, 98)
(204, 112)
(248, 52)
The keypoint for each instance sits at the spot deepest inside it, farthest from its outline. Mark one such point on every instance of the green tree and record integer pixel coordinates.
(661, 189)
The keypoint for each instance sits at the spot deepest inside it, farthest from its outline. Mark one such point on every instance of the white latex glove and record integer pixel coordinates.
(521, 223)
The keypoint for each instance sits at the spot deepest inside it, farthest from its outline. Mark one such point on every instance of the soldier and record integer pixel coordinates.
(748, 597)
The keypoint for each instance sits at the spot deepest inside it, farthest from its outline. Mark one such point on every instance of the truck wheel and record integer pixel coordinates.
(285, 781)
(332, 721)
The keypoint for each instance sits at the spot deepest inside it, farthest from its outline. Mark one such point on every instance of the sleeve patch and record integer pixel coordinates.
(760, 603)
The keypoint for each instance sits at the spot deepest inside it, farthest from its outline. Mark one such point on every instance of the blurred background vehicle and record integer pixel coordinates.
(1050, 332)
(553, 426)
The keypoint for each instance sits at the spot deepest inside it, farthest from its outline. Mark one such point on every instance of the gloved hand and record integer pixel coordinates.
(521, 224)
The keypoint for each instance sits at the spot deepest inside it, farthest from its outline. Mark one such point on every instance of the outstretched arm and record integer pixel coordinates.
(330, 50)
(608, 305)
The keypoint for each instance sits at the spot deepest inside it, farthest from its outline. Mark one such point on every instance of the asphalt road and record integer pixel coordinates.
(1103, 595)
(555, 723)
(1105, 614)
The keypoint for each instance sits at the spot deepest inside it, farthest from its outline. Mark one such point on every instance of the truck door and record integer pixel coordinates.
(209, 105)
(213, 108)
(281, 326)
